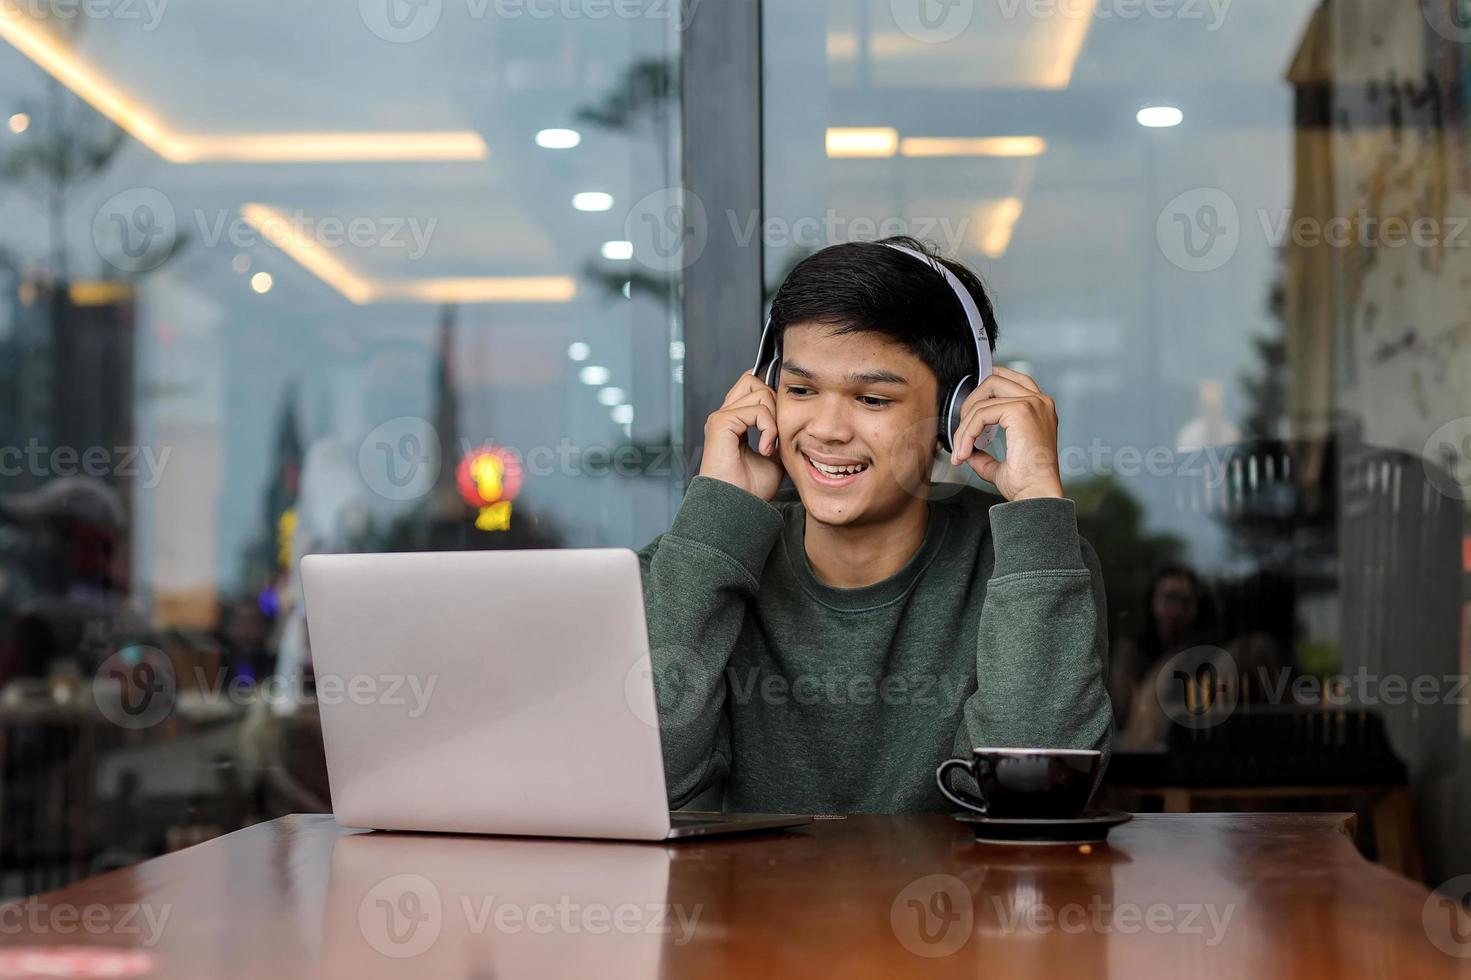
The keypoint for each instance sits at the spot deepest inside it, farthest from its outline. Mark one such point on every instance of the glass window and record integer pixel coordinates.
(1225, 237)
(278, 278)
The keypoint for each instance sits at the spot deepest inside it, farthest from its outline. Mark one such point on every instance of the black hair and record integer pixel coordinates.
(864, 287)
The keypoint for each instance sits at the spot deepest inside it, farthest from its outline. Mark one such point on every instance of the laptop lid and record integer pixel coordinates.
(504, 692)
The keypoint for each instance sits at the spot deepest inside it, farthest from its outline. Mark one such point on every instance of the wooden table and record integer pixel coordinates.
(1217, 895)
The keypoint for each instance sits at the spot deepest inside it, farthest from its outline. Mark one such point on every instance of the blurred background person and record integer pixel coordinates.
(1179, 613)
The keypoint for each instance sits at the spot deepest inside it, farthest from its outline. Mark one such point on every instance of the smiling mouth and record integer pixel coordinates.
(835, 476)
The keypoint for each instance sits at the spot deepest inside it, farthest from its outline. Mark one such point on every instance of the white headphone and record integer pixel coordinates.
(768, 356)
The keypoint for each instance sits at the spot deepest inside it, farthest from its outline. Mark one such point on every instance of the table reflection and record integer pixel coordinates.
(467, 907)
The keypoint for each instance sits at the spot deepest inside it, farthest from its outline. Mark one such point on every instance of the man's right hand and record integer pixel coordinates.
(728, 457)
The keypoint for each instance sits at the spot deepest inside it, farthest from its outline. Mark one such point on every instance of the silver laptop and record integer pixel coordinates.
(502, 692)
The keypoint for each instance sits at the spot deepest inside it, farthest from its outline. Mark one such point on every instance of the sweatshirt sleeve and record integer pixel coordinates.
(1042, 653)
(697, 580)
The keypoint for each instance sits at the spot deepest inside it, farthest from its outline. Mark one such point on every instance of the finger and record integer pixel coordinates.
(1024, 380)
(985, 466)
(991, 411)
(738, 419)
(997, 386)
(764, 396)
(744, 385)
(766, 400)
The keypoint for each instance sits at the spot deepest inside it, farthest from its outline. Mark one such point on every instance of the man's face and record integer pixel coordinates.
(856, 417)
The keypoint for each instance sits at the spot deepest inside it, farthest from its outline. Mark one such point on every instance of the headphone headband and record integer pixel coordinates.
(967, 301)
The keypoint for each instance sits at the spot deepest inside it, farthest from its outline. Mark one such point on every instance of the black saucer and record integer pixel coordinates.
(1091, 828)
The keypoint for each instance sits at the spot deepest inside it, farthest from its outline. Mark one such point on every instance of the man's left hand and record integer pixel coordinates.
(1012, 401)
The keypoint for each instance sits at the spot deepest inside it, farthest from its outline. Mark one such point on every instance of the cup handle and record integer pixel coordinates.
(964, 799)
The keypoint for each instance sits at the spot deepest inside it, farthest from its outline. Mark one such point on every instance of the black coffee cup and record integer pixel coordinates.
(1051, 784)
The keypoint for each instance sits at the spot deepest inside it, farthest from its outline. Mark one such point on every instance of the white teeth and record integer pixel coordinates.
(826, 470)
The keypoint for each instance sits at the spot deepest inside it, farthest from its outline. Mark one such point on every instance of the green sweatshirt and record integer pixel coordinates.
(778, 693)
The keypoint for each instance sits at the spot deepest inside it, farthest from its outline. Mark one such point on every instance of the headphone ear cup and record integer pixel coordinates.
(768, 370)
(950, 423)
(773, 374)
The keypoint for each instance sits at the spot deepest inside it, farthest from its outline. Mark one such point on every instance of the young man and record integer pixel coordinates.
(823, 650)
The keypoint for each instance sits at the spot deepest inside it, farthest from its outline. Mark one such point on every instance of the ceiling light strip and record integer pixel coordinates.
(89, 85)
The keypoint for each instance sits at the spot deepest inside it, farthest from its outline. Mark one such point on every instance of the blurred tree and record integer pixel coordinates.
(642, 94)
(613, 281)
(263, 559)
(67, 144)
